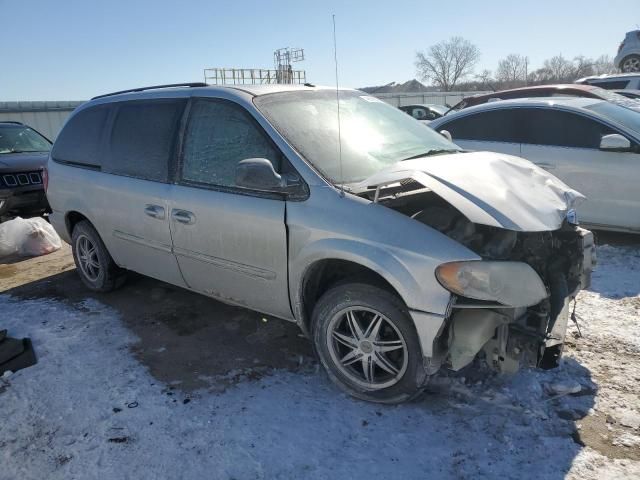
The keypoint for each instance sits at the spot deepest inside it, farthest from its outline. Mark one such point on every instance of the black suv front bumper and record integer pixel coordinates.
(20, 200)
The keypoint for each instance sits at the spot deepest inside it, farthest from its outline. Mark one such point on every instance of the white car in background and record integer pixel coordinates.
(613, 81)
(591, 145)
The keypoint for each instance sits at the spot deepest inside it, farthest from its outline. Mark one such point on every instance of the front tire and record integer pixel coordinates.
(367, 343)
(94, 264)
(630, 64)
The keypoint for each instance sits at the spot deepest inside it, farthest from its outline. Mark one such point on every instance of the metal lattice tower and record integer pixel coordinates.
(283, 73)
(282, 60)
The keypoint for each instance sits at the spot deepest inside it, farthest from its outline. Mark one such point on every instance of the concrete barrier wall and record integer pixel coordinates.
(49, 117)
(45, 117)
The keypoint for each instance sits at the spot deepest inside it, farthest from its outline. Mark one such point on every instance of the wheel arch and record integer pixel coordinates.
(324, 264)
(72, 218)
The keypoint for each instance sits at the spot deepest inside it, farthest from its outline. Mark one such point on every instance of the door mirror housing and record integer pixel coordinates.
(259, 174)
(446, 134)
(615, 142)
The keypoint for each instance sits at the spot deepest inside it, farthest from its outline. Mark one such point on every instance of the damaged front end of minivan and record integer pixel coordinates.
(511, 307)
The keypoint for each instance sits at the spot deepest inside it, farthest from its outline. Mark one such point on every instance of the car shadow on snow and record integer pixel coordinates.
(471, 424)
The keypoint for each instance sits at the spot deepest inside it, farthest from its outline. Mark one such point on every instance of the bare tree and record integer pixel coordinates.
(603, 64)
(512, 70)
(554, 70)
(448, 62)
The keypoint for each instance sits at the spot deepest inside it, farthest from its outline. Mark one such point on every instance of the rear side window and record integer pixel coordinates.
(562, 129)
(80, 141)
(488, 126)
(612, 84)
(219, 135)
(143, 139)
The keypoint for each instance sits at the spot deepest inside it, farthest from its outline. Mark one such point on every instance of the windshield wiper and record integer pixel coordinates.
(435, 151)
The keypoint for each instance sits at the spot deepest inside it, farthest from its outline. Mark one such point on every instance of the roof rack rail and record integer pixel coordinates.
(153, 87)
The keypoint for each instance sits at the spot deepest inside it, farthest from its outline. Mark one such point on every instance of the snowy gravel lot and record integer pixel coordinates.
(91, 409)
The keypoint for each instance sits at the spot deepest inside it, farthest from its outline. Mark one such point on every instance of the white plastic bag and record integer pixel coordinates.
(28, 237)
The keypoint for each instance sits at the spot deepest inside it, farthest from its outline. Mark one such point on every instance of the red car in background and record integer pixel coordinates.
(562, 90)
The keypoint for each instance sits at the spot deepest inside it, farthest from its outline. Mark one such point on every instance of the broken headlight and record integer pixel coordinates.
(510, 283)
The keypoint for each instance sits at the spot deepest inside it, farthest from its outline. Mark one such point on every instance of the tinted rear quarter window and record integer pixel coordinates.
(80, 141)
(612, 84)
(143, 138)
(490, 126)
(562, 129)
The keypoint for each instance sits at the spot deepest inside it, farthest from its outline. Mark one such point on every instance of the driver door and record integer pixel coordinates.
(230, 242)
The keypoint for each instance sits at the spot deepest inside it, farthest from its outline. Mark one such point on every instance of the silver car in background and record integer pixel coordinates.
(396, 252)
(628, 57)
(592, 145)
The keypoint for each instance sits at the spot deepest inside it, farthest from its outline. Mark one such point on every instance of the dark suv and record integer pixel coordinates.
(23, 154)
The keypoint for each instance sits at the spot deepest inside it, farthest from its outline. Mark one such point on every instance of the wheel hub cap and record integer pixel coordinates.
(88, 258)
(367, 348)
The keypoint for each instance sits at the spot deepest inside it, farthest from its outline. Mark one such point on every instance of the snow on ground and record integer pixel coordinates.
(88, 409)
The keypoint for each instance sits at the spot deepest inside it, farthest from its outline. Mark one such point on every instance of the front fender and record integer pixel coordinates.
(389, 264)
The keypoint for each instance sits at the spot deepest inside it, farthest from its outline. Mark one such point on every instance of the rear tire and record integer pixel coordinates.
(94, 264)
(367, 343)
(630, 63)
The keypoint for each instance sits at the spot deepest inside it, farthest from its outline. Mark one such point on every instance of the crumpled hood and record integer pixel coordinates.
(23, 162)
(488, 188)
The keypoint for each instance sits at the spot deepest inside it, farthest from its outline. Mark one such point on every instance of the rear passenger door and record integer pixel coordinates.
(231, 242)
(135, 194)
(491, 130)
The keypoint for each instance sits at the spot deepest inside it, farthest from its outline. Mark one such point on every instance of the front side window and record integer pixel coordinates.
(219, 135)
(488, 126)
(561, 129)
(21, 139)
(143, 139)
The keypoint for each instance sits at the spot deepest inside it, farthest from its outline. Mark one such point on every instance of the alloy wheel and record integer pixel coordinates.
(88, 259)
(631, 65)
(367, 348)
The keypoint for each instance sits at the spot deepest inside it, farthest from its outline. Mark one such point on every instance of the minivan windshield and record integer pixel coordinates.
(374, 135)
(21, 139)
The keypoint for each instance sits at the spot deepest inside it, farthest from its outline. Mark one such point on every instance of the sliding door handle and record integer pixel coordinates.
(155, 211)
(183, 216)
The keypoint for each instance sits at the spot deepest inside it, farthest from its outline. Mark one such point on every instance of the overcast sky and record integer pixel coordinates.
(72, 50)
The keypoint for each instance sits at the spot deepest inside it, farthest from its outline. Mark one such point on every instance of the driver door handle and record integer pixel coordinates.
(183, 216)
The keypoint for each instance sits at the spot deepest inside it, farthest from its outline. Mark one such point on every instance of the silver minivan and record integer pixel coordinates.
(394, 250)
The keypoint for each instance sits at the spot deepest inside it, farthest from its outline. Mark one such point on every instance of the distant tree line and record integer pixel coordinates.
(450, 65)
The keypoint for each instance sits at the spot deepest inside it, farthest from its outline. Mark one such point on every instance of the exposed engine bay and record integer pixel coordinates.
(505, 336)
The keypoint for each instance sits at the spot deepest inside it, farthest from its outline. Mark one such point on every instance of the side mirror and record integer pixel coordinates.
(259, 174)
(446, 134)
(615, 142)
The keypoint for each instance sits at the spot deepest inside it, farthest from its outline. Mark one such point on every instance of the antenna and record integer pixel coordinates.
(335, 59)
